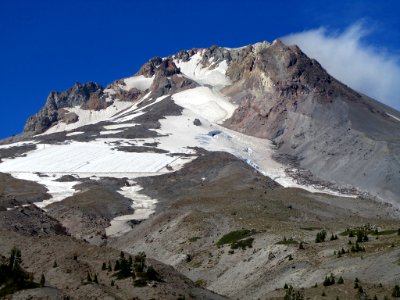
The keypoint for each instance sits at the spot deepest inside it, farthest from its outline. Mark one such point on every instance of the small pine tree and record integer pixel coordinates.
(104, 267)
(95, 280)
(301, 246)
(117, 266)
(130, 261)
(88, 277)
(320, 236)
(112, 283)
(323, 294)
(42, 280)
(55, 265)
(285, 286)
(396, 291)
(340, 280)
(109, 268)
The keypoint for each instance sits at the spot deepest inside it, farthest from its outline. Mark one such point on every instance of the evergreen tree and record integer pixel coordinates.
(117, 266)
(320, 236)
(109, 268)
(340, 280)
(55, 265)
(42, 280)
(396, 291)
(95, 279)
(139, 262)
(88, 277)
(104, 267)
(285, 286)
(15, 259)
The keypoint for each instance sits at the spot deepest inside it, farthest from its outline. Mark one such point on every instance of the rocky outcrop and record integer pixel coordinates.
(168, 79)
(150, 68)
(87, 95)
(285, 96)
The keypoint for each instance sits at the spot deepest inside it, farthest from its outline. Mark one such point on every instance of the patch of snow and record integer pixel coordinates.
(118, 126)
(206, 103)
(138, 82)
(74, 133)
(87, 117)
(18, 144)
(194, 70)
(110, 132)
(394, 117)
(58, 190)
(143, 205)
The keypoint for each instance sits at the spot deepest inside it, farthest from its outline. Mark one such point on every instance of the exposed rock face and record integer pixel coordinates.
(150, 68)
(285, 96)
(168, 79)
(87, 95)
(17, 192)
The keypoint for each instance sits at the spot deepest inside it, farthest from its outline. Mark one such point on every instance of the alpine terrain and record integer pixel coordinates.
(216, 173)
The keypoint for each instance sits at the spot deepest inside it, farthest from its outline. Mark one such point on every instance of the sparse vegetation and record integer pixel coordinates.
(321, 236)
(396, 291)
(193, 239)
(286, 241)
(238, 239)
(292, 294)
(13, 278)
(135, 268)
(357, 248)
(329, 280)
(333, 237)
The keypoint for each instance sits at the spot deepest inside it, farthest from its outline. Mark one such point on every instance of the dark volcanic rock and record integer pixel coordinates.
(16, 192)
(16, 151)
(149, 68)
(196, 122)
(31, 221)
(209, 169)
(86, 95)
(168, 80)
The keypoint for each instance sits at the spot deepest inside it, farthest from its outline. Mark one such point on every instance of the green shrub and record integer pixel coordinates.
(235, 236)
(286, 241)
(321, 236)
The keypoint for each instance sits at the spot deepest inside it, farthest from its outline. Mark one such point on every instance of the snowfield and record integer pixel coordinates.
(205, 103)
(79, 157)
(193, 69)
(138, 82)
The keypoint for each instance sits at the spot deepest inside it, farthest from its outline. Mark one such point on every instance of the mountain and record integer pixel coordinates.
(255, 148)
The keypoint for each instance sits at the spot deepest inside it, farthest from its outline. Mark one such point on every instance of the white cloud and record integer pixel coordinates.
(345, 56)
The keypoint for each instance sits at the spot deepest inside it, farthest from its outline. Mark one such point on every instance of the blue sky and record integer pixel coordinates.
(50, 45)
